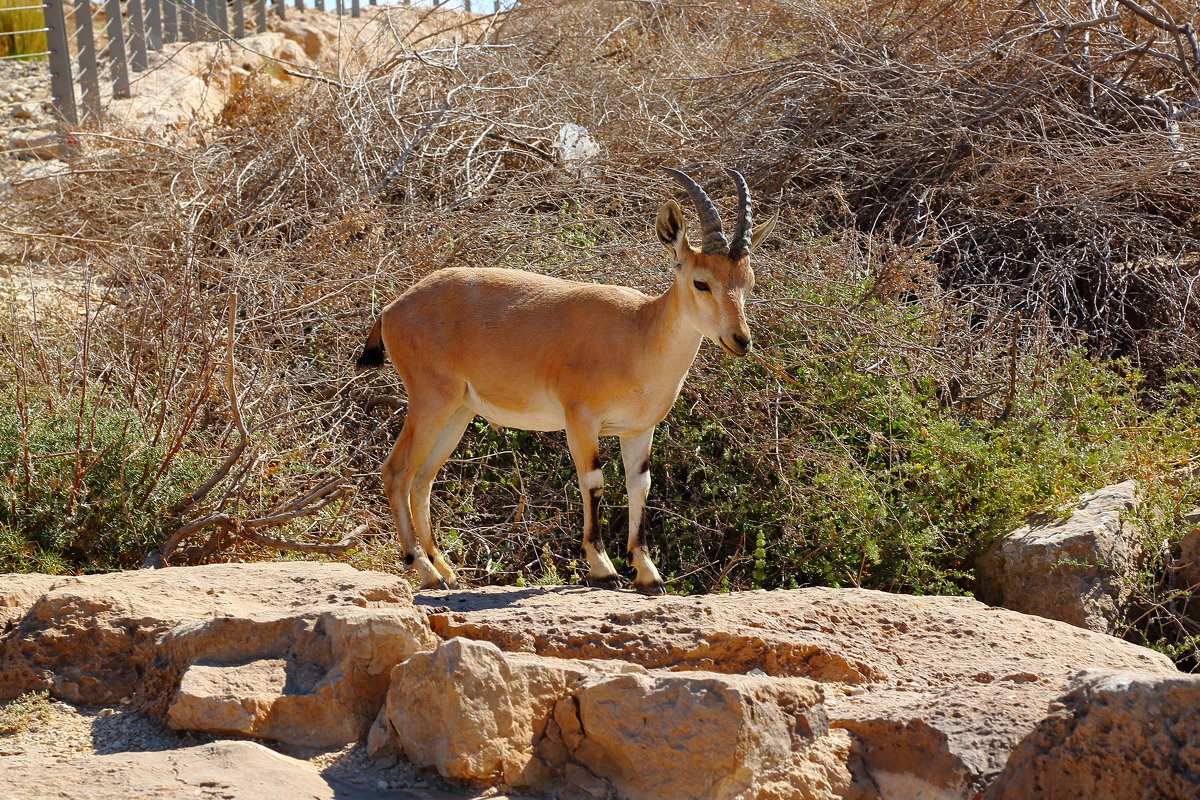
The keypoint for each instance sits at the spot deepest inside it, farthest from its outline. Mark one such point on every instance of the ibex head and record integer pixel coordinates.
(713, 281)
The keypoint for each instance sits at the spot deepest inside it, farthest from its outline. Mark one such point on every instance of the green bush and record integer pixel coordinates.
(848, 478)
(83, 486)
(24, 711)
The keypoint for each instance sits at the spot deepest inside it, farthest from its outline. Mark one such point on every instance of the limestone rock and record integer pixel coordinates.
(315, 679)
(591, 693)
(474, 713)
(168, 98)
(193, 81)
(17, 594)
(583, 728)
(310, 37)
(938, 690)
(290, 52)
(574, 146)
(1113, 736)
(705, 735)
(1068, 569)
(360, 41)
(91, 639)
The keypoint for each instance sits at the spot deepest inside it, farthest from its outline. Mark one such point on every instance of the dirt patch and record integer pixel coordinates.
(62, 731)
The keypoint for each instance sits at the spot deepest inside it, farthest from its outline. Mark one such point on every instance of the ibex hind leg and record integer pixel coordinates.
(428, 415)
(442, 448)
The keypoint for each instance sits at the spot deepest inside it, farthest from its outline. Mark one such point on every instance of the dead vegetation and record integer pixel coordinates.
(1010, 178)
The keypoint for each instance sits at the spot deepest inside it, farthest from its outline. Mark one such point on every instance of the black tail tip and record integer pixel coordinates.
(371, 358)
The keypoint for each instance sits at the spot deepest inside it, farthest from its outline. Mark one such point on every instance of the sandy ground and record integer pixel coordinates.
(64, 731)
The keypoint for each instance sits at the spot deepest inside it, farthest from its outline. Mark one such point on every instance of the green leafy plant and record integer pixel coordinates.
(84, 486)
(19, 713)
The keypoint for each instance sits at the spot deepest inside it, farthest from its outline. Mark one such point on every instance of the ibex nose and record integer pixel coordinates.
(743, 342)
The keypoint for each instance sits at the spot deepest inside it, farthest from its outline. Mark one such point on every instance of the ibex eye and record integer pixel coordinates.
(701, 285)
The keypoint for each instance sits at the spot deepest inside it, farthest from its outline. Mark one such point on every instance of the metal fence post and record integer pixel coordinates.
(320, 5)
(118, 61)
(199, 17)
(281, 8)
(222, 16)
(197, 14)
(239, 18)
(170, 16)
(299, 5)
(137, 36)
(183, 10)
(85, 46)
(61, 85)
(153, 10)
(355, 11)
(260, 13)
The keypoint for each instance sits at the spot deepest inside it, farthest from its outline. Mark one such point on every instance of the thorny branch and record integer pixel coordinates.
(301, 506)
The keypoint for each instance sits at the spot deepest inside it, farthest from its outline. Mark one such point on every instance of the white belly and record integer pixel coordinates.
(541, 413)
(631, 414)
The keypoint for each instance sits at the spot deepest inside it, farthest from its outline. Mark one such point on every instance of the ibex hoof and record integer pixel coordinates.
(613, 581)
(438, 584)
(655, 588)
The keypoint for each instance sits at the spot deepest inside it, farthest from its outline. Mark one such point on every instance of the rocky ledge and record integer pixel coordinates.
(579, 693)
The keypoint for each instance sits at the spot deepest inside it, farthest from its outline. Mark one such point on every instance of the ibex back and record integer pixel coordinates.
(528, 351)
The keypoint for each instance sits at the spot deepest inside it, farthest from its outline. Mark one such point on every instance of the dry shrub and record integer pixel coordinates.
(1014, 174)
(1047, 155)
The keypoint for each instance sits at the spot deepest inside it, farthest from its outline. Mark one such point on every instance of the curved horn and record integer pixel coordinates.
(740, 245)
(710, 223)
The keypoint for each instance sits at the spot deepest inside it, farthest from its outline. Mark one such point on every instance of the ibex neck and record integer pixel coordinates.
(673, 339)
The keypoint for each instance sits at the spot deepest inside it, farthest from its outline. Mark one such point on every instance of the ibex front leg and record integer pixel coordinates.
(635, 454)
(583, 439)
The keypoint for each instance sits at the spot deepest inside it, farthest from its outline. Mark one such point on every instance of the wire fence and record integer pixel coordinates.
(90, 44)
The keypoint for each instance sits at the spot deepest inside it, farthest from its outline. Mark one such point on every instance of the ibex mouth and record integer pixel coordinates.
(732, 349)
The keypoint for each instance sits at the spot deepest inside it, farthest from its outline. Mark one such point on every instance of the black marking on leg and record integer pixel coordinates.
(640, 540)
(409, 558)
(594, 537)
(597, 464)
(645, 467)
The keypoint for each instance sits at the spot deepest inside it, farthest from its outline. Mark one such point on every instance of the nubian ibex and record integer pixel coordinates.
(529, 351)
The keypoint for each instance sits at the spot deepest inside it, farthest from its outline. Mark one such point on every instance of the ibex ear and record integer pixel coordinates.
(762, 231)
(672, 231)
